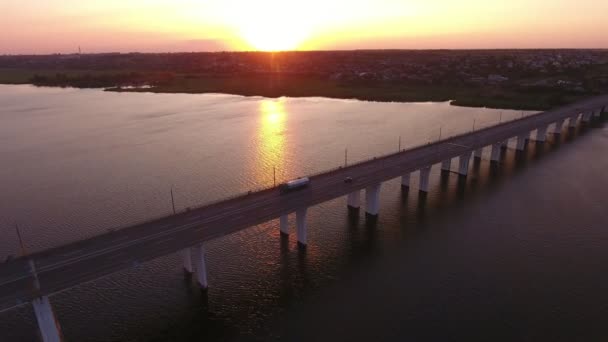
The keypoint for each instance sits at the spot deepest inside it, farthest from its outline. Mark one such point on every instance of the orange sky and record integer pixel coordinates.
(47, 26)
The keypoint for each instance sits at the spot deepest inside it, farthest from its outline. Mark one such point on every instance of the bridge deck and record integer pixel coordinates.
(66, 266)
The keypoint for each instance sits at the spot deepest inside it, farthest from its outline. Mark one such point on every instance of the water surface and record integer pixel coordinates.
(513, 252)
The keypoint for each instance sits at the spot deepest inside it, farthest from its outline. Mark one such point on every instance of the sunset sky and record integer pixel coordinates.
(48, 26)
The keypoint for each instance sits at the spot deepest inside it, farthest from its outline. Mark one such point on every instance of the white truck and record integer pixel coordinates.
(293, 185)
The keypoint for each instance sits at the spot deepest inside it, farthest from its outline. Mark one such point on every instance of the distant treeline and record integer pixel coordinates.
(102, 80)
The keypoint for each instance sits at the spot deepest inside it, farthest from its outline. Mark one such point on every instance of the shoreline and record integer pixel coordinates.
(463, 100)
(451, 102)
(298, 86)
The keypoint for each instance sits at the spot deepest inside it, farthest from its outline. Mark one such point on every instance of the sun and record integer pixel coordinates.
(272, 36)
(271, 25)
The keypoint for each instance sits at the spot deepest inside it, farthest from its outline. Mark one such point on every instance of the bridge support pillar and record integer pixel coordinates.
(541, 134)
(372, 200)
(354, 200)
(558, 126)
(478, 152)
(301, 229)
(573, 120)
(405, 181)
(495, 158)
(521, 141)
(187, 257)
(587, 117)
(463, 164)
(425, 173)
(198, 254)
(284, 224)
(446, 165)
(47, 322)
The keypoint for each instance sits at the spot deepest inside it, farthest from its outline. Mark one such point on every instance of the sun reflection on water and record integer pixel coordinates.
(271, 142)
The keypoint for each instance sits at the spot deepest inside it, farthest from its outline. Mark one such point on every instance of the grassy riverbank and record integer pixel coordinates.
(293, 85)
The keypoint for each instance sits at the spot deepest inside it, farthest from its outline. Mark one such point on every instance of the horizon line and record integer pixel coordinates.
(303, 51)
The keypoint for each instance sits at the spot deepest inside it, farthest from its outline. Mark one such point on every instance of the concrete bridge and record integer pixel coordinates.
(32, 278)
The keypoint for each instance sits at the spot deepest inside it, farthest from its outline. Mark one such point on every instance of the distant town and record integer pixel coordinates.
(521, 79)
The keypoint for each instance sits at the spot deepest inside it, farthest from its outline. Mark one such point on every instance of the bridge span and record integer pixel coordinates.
(32, 278)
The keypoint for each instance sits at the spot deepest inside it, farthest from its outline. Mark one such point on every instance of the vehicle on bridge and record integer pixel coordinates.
(293, 185)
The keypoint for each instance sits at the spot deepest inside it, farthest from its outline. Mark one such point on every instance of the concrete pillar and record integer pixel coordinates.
(47, 323)
(573, 120)
(284, 224)
(586, 117)
(354, 199)
(446, 165)
(301, 228)
(521, 141)
(478, 152)
(405, 181)
(198, 254)
(425, 173)
(372, 200)
(187, 257)
(541, 133)
(495, 152)
(558, 126)
(463, 164)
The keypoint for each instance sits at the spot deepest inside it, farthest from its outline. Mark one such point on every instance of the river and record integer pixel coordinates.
(515, 252)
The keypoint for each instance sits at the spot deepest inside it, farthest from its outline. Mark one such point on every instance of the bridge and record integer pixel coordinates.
(33, 278)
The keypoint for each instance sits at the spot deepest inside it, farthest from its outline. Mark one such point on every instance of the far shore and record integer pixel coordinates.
(289, 85)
